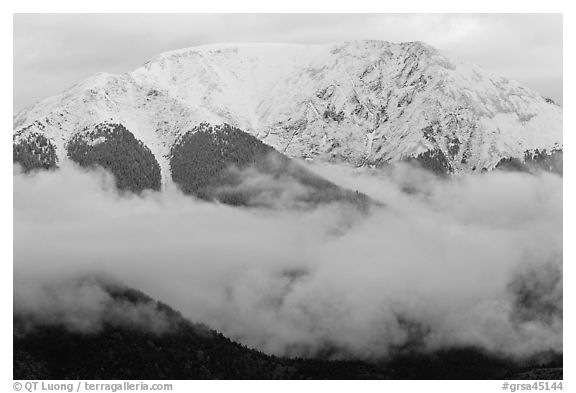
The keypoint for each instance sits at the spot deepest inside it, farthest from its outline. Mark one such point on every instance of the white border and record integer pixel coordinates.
(308, 7)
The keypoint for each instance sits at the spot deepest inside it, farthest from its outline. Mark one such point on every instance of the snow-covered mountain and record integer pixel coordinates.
(364, 103)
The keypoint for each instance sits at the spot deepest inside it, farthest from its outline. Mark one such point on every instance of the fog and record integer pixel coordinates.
(469, 261)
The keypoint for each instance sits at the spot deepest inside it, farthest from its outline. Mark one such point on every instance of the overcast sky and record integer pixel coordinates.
(54, 51)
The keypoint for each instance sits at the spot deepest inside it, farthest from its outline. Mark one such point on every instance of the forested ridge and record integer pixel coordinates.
(193, 351)
(536, 160)
(113, 147)
(220, 162)
(34, 151)
(184, 351)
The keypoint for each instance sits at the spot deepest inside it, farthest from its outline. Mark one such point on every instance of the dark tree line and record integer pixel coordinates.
(114, 148)
(34, 151)
(186, 351)
(208, 162)
(433, 160)
(537, 160)
(192, 351)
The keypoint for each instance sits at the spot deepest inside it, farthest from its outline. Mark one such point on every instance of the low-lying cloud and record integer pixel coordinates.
(468, 261)
(85, 305)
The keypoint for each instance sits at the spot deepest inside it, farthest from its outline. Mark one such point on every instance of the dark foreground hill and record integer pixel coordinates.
(184, 350)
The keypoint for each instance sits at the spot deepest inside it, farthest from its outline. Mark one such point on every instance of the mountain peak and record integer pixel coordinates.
(362, 103)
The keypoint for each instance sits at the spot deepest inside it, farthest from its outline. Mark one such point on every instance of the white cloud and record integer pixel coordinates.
(442, 256)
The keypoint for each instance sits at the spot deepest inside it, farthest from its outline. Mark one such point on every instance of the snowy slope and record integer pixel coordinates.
(361, 102)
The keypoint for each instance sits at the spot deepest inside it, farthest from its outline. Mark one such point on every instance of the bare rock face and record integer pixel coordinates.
(361, 103)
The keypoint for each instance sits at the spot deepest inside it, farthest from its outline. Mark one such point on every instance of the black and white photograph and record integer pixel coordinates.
(287, 196)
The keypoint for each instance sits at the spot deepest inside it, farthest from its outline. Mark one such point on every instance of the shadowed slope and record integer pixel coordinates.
(226, 164)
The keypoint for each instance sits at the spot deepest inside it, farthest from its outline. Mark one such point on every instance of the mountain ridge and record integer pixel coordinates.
(130, 347)
(361, 103)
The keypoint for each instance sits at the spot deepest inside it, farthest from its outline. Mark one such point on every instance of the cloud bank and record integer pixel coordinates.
(469, 261)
